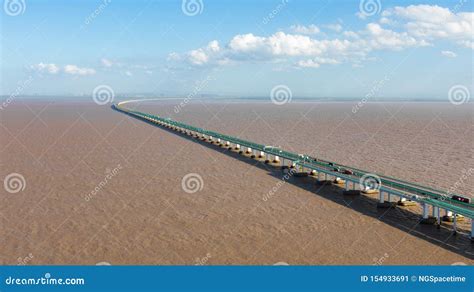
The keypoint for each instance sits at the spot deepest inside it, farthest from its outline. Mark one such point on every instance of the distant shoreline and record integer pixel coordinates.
(236, 99)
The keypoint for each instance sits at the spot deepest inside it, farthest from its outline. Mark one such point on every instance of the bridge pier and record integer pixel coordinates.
(249, 150)
(237, 147)
(276, 159)
(472, 229)
(261, 154)
(455, 224)
(267, 158)
(426, 219)
(253, 153)
(382, 203)
(437, 216)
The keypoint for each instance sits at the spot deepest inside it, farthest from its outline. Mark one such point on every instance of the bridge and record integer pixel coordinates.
(455, 206)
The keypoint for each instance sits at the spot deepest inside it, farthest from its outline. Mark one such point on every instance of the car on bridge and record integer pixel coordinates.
(460, 199)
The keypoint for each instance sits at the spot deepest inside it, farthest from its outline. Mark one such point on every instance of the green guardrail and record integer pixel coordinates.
(439, 199)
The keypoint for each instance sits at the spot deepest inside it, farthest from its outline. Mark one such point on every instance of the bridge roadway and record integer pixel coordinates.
(425, 196)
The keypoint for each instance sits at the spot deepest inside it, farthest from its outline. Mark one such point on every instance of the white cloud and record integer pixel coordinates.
(467, 44)
(128, 73)
(380, 38)
(301, 29)
(336, 27)
(399, 28)
(448, 54)
(316, 62)
(433, 22)
(106, 62)
(75, 70)
(308, 64)
(45, 68)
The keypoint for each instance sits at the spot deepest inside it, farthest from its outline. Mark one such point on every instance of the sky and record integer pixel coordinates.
(323, 49)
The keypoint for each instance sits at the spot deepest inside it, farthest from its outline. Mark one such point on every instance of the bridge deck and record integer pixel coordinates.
(391, 185)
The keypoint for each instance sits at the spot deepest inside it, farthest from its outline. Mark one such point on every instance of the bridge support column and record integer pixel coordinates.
(425, 210)
(261, 154)
(455, 224)
(347, 185)
(267, 158)
(325, 176)
(381, 197)
(253, 153)
(237, 147)
(382, 203)
(448, 216)
(426, 217)
(436, 214)
(472, 229)
(276, 159)
(249, 150)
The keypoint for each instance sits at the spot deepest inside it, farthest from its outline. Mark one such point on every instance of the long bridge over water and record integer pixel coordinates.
(455, 206)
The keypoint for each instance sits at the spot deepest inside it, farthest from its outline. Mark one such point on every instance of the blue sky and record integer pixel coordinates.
(391, 49)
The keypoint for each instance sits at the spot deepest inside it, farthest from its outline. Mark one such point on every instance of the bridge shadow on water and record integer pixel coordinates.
(406, 219)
